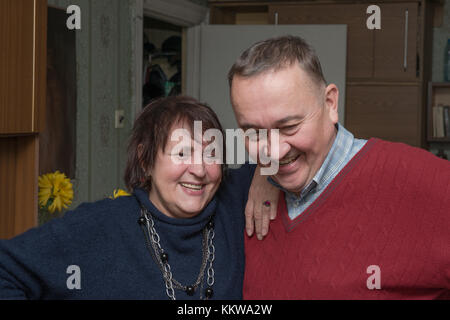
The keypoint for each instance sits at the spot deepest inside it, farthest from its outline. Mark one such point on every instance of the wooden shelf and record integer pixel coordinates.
(438, 92)
(445, 140)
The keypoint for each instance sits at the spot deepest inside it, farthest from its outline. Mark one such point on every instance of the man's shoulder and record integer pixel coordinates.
(403, 165)
(414, 169)
(414, 155)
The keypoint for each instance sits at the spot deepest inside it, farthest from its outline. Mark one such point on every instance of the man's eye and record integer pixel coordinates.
(289, 128)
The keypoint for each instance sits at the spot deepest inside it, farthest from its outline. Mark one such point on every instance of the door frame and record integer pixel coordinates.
(182, 13)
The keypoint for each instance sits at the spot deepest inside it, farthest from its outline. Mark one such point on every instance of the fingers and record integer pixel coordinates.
(262, 219)
(249, 221)
(265, 220)
(273, 210)
(258, 216)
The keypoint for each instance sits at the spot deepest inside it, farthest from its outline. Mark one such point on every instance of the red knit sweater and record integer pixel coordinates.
(389, 207)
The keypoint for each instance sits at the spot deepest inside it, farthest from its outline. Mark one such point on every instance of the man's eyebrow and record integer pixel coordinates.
(278, 123)
(287, 119)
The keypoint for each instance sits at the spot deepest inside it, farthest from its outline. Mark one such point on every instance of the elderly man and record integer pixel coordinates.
(356, 219)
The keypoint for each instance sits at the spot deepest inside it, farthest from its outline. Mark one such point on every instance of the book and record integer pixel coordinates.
(434, 112)
(438, 121)
(447, 121)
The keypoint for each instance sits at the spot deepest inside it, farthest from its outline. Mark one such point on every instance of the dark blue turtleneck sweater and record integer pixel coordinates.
(105, 241)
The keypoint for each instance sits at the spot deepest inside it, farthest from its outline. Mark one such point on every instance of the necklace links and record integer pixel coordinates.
(158, 253)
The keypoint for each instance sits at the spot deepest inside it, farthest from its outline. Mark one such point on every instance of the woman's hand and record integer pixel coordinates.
(257, 212)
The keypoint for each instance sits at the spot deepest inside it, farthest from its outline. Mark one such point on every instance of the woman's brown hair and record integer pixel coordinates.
(151, 130)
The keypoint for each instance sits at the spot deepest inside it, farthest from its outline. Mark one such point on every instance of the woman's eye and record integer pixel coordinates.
(182, 153)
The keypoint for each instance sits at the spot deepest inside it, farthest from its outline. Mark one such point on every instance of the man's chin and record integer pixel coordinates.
(293, 186)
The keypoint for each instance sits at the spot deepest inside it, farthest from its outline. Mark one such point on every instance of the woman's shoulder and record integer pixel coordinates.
(101, 210)
(233, 193)
(104, 205)
(240, 178)
(236, 183)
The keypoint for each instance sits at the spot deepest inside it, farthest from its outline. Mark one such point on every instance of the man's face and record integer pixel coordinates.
(304, 112)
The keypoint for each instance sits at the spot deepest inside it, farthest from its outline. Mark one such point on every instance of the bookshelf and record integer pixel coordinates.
(438, 93)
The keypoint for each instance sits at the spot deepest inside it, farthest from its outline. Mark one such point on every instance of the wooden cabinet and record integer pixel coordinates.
(23, 65)
(388, 53)
(23, 54)
(395, 45)
(18, 188)
(386, 112)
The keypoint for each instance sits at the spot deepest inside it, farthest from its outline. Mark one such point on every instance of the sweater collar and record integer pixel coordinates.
(198, 221)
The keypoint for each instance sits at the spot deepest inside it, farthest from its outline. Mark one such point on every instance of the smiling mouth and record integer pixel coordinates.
(289, 160)
(196, 187)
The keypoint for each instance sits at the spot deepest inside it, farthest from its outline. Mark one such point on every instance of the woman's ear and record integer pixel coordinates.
(147, 175)
(140, 152)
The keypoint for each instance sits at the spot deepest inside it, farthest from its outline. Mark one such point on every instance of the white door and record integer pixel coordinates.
(212, 50)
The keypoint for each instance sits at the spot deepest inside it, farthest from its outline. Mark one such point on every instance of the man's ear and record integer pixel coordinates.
(332, 102)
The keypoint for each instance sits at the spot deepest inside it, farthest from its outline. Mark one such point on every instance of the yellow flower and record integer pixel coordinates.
(55, 191)
(119, 193)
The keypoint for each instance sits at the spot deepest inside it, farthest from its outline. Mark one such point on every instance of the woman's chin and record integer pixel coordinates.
(191, 207)
(192, 203)
(190, 212)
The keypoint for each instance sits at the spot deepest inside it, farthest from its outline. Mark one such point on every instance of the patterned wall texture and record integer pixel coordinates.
(105, 83)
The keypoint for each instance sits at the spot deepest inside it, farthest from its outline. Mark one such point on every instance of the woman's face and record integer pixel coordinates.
(179, 187)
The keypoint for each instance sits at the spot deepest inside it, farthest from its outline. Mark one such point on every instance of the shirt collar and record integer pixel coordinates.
(333, 162)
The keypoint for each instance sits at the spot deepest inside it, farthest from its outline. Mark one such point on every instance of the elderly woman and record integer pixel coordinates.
(179, 236)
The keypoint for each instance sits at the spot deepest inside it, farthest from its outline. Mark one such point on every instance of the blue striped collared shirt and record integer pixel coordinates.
(344, 147)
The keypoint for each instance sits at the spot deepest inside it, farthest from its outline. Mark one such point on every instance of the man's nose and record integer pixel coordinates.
(283, 150)
(274, 147)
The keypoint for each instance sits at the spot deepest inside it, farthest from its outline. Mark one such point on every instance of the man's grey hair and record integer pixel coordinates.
(277, 53)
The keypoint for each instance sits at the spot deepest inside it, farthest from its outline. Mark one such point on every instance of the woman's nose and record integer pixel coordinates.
(198, 169)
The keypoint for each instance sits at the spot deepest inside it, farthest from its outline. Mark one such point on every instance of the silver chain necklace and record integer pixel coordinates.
(162, 258)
